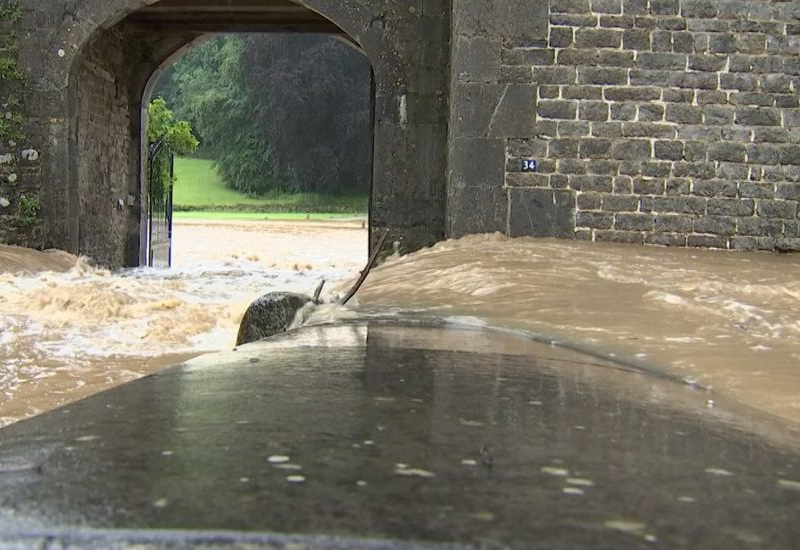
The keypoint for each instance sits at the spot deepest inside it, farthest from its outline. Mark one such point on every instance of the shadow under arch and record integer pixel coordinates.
(113, 72)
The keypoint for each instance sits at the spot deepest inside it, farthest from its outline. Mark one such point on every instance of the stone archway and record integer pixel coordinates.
(111, 49)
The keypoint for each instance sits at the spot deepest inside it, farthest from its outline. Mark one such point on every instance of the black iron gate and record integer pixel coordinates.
(159, 214)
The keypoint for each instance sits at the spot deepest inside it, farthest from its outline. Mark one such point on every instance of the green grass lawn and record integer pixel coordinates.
(199, 187)
(277, 216)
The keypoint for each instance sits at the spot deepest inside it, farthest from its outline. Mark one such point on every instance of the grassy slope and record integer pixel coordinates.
(278, 216)
(199, 187)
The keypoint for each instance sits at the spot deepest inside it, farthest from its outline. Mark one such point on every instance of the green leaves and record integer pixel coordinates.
(278, 113)
(161, 124)
(177, 137)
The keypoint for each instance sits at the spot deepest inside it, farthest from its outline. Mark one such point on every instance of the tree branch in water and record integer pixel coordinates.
(367, 269)
(319, 291)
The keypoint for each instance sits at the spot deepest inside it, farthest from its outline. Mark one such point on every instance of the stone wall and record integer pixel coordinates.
(87, 65)
(664, 121)
(20, 169)
(106, 151)
(669, 122)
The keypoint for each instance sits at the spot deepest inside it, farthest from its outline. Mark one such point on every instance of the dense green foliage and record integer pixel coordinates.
(166, 135)
(198, 187)
(280, 113)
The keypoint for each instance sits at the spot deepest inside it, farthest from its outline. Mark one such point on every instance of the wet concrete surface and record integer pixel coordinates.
(387, 435)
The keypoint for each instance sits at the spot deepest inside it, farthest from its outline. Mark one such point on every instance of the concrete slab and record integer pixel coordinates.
(373, 435)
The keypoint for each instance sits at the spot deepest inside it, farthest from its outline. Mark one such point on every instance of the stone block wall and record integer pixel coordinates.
(107, 146)
(669, 122)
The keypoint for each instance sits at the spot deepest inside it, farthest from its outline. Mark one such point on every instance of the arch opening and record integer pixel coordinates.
(110, 86)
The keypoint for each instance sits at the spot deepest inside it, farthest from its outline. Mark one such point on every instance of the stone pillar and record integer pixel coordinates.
(492, 109)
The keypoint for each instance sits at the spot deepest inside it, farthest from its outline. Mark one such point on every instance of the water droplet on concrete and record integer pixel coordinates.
(626, 526)
(161, 503)
(718, 472)
(580, 482)
(412, 472)
(553, 471)
(789, 484)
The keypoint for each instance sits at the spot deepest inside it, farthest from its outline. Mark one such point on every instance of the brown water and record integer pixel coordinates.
(724, 320)
(68, 330)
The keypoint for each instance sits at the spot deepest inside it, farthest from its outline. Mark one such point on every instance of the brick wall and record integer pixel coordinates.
(670, 122)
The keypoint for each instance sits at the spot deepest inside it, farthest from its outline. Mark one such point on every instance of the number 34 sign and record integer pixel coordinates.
(529, 165)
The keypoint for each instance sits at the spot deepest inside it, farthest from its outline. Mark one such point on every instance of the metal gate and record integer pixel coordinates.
(159, 213)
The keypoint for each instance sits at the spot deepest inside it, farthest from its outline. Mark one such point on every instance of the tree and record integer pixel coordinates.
(162, 125)
(167, 135)
(278, 112)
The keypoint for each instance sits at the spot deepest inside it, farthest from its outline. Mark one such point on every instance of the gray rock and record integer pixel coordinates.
(270, 314)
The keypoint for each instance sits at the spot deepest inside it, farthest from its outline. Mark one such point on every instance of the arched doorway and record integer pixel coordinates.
(110, 72)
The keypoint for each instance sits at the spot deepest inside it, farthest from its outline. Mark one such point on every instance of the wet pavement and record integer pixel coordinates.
(382, 434)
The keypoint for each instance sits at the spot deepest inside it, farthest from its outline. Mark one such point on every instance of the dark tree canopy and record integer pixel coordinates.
(277, 112)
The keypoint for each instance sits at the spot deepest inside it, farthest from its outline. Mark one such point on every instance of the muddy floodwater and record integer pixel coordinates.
(726, 322)
(68, 330)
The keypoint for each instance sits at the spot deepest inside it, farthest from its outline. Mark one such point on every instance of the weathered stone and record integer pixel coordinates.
(565, 110)
(748, 190)
(561, 37)
(591, 183)
(727, 152)
(669, 150)
(620, 203)
(667, 223)
(541, 213)
(269, 315)
(465, 217)
(666, 239)
(714, 188)
(760, 227)
(633, 222)
(623, 111)
(717, 225)
(707, 241)
(594, 111)
(626, 237)
(633, 149)
(779, 209)
(752, 243)
(684, 114)
(731, 207)
(788, 191)
(758, 117)
(595, 220)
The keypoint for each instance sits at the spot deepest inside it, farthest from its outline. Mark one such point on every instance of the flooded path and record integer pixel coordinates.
(725, 320)
(68, 330)
(729, 321)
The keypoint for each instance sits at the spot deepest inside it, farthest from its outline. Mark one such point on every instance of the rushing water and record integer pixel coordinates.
(725, 320)
(68, 330)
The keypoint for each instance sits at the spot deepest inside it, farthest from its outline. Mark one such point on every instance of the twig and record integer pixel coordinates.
(319, 291)
(367, 269)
